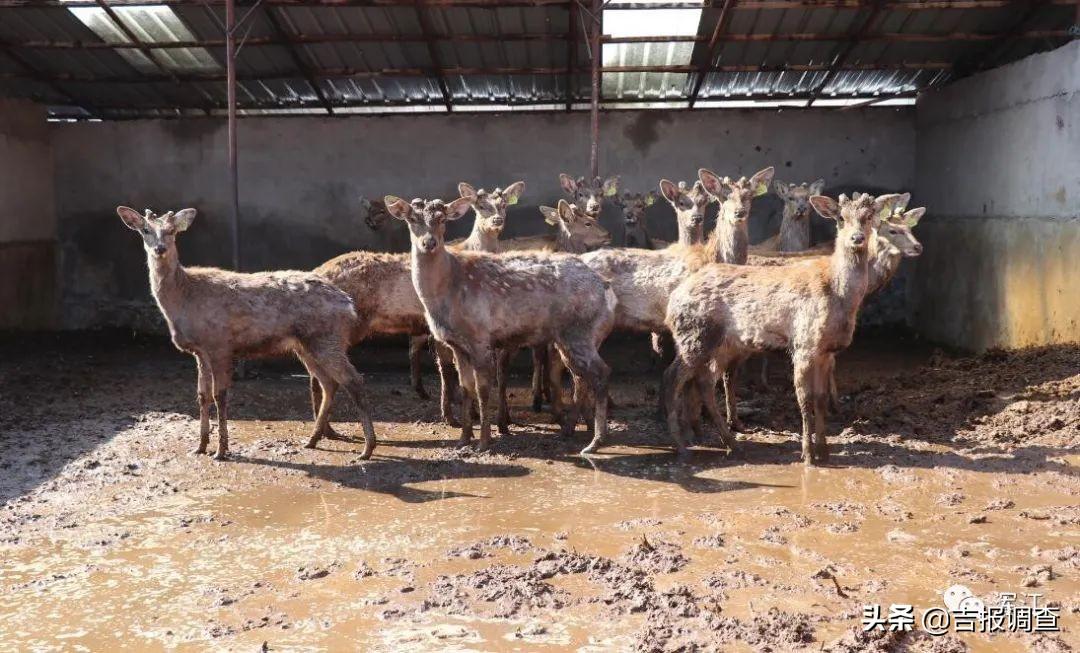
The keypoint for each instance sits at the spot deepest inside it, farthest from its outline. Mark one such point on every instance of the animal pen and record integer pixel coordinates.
(540, 325)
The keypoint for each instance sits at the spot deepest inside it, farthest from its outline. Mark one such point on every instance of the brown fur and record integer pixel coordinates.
(218, 315)
(723, 313)
(477, 303)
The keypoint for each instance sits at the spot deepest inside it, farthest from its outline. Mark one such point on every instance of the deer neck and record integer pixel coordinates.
(564, 242)
(849, 276)
(431, 275)
(167, 279)
(732, 240)
(691, 235)
(637, 236)
(794, 232)
(884, 262)
(481, 240)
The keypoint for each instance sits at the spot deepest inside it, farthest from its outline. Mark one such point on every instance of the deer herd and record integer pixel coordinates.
(479, 300)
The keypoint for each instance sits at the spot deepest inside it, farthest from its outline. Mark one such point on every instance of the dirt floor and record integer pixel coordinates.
(945, 470)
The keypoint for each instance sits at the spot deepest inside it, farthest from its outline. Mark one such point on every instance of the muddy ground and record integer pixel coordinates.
(946, 469)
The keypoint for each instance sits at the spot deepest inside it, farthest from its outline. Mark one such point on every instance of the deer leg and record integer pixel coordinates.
(221, 368)
(467, 386)
(322, 393)
(834, 394)
(675, 378)
(707, 389)
(804, 390)
(448, 381)
(417, 345)
(482, 373)
(502, 371)
(764, 371)
(539, 359)
(731, 378)
(594, 374)
(330, 359)
(319, 378)
(204, 398)
(555, 367)
(690, 413)
(822, 375)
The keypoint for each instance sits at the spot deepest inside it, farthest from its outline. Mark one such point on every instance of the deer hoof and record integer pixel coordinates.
(221, 454)
(365, 455)
(504, 429)
(198, 452)
(422, 393)
(537, 404)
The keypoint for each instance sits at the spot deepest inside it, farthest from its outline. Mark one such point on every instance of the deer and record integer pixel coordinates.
(794, 235)
(723, 313)
(635, 231)
(732, 237)
(477, 303)
(219, 315)
(490, 209)
(589, 196)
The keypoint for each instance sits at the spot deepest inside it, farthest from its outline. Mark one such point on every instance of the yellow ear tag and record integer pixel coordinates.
(608, 192)
(512, 201)
(761, 189)
(649, 199)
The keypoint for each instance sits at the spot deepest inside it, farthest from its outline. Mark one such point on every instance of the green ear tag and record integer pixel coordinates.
(608, 192)
(761, 189)
(512, 201)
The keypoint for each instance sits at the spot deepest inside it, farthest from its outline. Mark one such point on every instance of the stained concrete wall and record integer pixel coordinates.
(28, 267)
(301, 179)
(999, 167)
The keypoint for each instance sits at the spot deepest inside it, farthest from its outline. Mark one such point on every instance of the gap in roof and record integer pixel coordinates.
(648, 22)
(150, 23)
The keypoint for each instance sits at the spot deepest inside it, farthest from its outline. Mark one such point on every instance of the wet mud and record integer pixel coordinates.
(946, 469)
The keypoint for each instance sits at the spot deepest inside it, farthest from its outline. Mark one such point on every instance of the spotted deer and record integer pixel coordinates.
(477, 303)
(490, 211)
(732, 237)
(723, 313)
(589, 196)
(794, 235)
(219, 315)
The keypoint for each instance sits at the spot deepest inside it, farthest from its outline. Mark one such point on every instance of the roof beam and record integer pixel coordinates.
(32, 73)
(714, 43)
(305, 39)
(745, 5)
(298, 61)
(842, 56)
(344, 73)
(985, 57)
(433, 54)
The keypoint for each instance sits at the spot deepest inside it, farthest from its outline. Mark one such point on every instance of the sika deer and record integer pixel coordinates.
(477, 303)
(794, 233)
(490, 209)
(218, 315)
(723, 313)
(735, 197)
(635, 231)
(589, 196)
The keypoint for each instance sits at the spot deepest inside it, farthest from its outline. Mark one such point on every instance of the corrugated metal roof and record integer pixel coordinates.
(370, 58)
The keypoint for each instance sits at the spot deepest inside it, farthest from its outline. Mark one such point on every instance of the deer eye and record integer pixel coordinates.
(893, 231)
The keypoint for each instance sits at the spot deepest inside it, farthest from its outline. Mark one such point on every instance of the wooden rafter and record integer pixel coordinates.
(294, 53)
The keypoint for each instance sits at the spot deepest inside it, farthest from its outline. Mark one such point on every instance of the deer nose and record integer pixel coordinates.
(918, 248)
(858, 238)
(159, 249)
(695, 220)
(497, 221)
(427, 243)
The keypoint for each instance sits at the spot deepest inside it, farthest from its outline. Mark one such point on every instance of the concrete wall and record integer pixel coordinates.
(999, 167)
(301, 179)
(28, 268)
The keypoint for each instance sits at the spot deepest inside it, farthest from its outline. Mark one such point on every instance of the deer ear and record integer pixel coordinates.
(565, 212)
(458, 208)
(568, 184)
(781, 189)
(398, 208)
(884, 205)
(131, 218)
(365, 205)
(182, 219)
(551, 215)
(650, 198)
(912, 217)
(825, 206)
(902, 202)
(669, 190)
(759, 183)
(466, 191)
(817, 187)
(712, 183)
(513, 192)
(611, 186)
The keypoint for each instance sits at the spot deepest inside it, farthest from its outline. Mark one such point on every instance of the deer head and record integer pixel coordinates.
(426, 219)
(735, 197)
(896, 230)
(373, 213)
(158, 232)
(688, 201)
(856, 217)
(490, 207)
(796, 197)
(579, 230)
(589, 195)
(634, 206)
